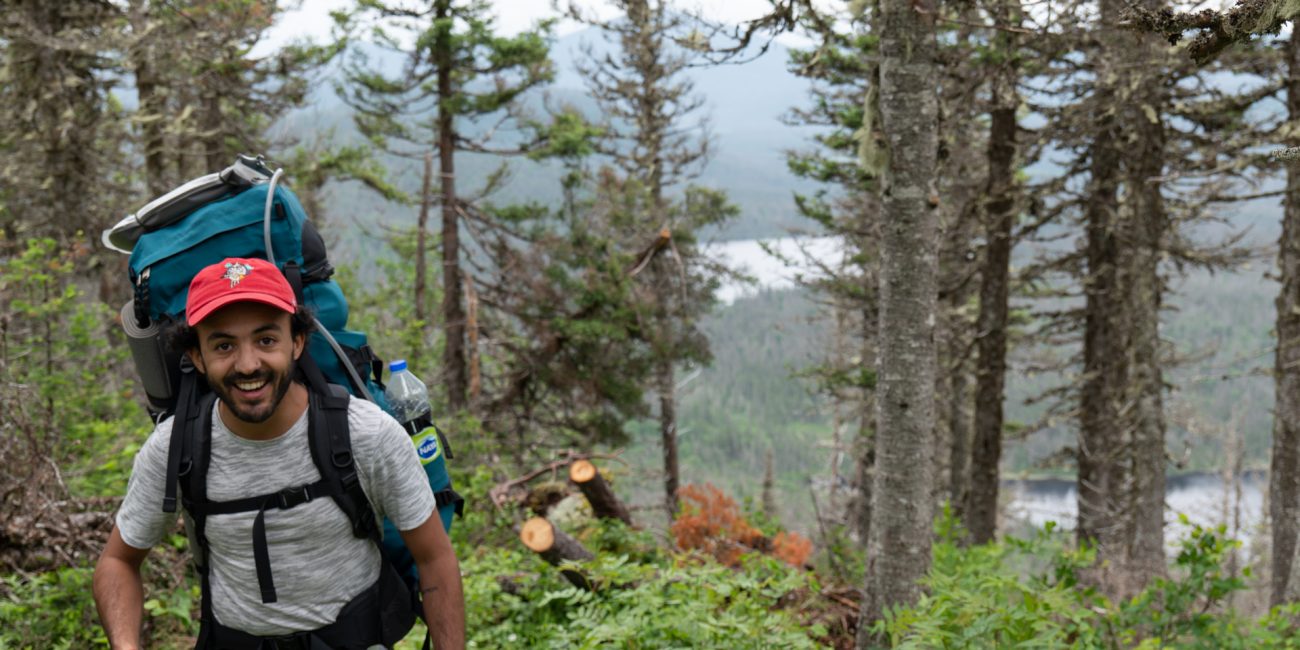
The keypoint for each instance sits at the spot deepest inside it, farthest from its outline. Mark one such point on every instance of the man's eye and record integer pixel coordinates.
(223, 347)
(268, 340)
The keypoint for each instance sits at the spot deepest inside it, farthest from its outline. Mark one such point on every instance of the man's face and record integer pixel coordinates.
(248, 353)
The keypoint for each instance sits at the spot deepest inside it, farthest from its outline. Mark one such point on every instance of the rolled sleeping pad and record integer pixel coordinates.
(152, 360)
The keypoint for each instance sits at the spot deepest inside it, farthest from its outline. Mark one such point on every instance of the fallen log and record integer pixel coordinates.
(556, 547)
(604, 503)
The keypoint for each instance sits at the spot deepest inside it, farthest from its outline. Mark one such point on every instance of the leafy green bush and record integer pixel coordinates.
(515, 600)
(642, 596)
(51, 610)
(1027, 594)
(67, 383)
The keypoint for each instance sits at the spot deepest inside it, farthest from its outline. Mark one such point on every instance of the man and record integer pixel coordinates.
(245, 335)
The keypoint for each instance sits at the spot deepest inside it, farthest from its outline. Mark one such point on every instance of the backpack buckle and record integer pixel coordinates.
(290, 497)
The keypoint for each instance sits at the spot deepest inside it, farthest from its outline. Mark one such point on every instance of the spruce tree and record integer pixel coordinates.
(655, 139)
(455, 70)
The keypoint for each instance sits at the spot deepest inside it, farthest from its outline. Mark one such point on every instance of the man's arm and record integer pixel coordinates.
(119, 592)
(440, 589)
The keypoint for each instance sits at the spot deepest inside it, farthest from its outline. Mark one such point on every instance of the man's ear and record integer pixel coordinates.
(299, 342)
(197, 359)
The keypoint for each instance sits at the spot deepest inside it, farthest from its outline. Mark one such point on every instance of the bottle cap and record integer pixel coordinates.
(397, 366)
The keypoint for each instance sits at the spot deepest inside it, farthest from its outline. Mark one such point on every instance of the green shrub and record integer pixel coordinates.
(683, 601)
(1026, 594)
(52, 610)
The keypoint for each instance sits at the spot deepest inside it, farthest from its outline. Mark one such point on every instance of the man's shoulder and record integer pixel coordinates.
(366, 411)
(368, 423)
(159, 440)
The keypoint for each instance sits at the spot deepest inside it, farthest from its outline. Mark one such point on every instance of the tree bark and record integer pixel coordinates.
(899, 550)
(1284, 468)
(1104, 348)
(471, 335)
(668, 435)
(1147, 223)
(152, 103)
(982, 509)
(556, 547)
(769, 487)
(420, 292)
(604, 503)
(999, 215)
(453, 312)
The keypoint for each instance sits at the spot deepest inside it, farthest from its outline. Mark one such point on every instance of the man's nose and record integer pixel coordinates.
(247, 362)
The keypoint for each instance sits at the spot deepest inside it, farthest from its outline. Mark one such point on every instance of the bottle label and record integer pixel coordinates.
(427, 445)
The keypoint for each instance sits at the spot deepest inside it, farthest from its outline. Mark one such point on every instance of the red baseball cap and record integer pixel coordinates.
(237, 279)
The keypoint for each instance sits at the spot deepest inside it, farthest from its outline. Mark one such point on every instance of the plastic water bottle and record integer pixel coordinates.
(408, 401)
(408, 398)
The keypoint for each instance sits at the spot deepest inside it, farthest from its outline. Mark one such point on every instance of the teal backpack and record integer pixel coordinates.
(243, 211)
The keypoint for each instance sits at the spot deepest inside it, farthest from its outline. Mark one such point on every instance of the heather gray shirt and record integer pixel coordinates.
(316, 562)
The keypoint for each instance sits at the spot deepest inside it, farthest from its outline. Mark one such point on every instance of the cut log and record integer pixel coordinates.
(555, 546)
(604, 503)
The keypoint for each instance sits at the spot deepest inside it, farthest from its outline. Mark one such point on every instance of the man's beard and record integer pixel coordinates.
(228, 393)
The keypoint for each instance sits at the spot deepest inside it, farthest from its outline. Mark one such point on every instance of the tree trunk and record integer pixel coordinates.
(213, 137)
(453, 313)
(471, 335)
(769, 487)
(959, 451)
(556, 547)
(604, 503)
(982, 511)
(668, 435)
(864, 478)
(899, 550)
(864, 443)
(1104, 349)
(152, 104)
(1284, 468)
(1146, 221)
(420, 292)
(995, 279)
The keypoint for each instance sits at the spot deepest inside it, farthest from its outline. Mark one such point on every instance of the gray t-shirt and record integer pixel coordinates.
(316, 562)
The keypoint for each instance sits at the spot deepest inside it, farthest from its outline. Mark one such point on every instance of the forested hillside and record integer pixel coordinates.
(1054, 243)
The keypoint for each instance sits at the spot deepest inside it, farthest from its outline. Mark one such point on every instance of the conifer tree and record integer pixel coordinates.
(1147, 173)
(62, 134)
(203, 98)
(998, 211)
(1222, 37)
(898, 551)
(1284, 470)
(455, 70)
(655, 139)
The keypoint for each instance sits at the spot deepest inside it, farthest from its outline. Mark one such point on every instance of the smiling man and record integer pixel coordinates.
(283, 561)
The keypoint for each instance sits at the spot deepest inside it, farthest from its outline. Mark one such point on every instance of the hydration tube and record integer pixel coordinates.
(329, 338)
(266, 214)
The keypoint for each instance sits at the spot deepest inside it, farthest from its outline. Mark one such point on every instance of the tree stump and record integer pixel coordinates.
(604, 503)
(555, 546)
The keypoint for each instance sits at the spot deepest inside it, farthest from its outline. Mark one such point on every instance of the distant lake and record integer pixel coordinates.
(779, 271)
(1201, 497)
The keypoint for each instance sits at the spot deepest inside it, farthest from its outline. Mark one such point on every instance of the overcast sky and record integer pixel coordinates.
(312, 18)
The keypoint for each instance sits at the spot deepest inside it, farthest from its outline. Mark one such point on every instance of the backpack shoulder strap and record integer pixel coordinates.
(331, 450)
(187, 409)
(195, 433)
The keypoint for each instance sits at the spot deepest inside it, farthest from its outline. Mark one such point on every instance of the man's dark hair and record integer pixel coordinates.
(178, 336)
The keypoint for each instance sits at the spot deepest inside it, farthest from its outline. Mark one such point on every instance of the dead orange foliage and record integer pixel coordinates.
(711, 522)
(792, 547)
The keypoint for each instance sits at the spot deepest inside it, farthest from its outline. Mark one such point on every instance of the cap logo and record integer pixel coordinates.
(236, 271)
